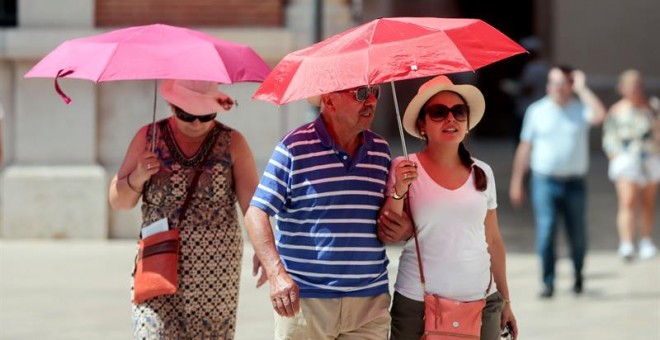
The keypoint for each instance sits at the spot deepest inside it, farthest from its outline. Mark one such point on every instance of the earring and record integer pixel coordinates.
(422, 133)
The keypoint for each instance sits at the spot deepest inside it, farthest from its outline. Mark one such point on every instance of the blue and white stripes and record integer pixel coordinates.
(326, 205)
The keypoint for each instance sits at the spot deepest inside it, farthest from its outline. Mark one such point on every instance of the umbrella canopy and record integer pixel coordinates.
(386, 50)
(152, 52)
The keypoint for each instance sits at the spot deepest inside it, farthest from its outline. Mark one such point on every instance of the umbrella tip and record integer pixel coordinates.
(413, 67)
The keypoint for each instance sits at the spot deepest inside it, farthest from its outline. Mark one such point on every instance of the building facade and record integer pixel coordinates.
(60, 158)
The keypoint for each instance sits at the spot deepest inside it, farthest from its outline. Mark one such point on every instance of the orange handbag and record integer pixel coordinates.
(157, 265)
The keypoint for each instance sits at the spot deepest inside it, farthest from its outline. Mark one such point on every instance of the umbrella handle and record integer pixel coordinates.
(153, 121)
(398, 120)
(61, 74)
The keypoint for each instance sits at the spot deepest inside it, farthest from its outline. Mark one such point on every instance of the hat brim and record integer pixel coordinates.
(473, 98)
(315, 100)
(192, 102)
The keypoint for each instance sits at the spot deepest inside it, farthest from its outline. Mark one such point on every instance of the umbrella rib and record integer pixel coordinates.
(107, 63)
(114, 52)
(370, 42)
(459, 50)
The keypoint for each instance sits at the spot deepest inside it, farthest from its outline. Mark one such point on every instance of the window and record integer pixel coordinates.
(8, 13)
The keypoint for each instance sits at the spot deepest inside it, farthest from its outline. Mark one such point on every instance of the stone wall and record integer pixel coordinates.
(60, 158)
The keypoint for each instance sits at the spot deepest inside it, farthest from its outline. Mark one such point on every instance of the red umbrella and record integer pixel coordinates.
(386, 50)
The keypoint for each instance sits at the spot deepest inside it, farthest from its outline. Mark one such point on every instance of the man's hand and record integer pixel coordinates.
(579, 81)
(393, 227)
(284, 294)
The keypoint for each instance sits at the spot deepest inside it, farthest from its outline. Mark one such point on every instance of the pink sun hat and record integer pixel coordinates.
(195, 96)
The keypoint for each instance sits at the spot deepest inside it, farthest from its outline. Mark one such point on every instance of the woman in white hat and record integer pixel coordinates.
(191, 141)
(452, 200)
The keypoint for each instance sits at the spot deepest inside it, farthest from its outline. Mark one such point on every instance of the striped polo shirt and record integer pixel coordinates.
(326, 205)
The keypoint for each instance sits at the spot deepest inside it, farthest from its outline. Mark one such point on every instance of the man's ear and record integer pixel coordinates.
(328, 101)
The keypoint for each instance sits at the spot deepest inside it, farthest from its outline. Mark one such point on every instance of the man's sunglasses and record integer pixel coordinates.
(439, 112)
(188, 118)
(362, 93)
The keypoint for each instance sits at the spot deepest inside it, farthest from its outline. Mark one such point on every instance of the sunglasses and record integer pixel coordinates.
(439, 112)
(362, 93)
(188, 118)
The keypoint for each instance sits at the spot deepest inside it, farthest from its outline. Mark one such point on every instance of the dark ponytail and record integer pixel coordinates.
(480, 180)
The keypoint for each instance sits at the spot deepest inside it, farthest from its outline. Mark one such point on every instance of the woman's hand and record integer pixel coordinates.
(256, 266)
(510, 320)
(405, 174)
(147, 165)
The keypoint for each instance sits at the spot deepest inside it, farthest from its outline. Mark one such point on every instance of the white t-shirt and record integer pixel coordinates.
(452, 238)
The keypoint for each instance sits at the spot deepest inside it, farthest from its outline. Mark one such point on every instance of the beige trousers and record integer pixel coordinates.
(364, 318)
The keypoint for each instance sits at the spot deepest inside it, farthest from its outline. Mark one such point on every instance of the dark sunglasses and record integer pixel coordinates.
(439, 112)
(362, 93)
(188, 118)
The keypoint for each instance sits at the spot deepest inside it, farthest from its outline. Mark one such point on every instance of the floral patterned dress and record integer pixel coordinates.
(211, 241)
(631, 137)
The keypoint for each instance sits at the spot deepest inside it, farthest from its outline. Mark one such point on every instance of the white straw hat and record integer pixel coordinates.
(472, 96)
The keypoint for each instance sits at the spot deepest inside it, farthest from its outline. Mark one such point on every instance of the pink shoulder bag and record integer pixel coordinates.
(446, 319)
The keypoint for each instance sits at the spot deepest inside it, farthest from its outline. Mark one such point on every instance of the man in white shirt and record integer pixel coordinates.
(554, 144)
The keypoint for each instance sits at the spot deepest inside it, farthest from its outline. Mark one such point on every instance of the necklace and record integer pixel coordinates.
(197, 159)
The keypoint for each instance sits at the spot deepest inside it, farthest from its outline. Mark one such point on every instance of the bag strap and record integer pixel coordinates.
(419, 253)
(406, 207)
(191, 189)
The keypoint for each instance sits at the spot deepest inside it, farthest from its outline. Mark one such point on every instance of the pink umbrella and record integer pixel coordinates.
(151, 52)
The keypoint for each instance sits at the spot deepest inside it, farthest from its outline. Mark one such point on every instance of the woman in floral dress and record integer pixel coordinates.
(211, 242)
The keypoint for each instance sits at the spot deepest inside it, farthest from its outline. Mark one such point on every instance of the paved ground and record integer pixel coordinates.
(80, 289)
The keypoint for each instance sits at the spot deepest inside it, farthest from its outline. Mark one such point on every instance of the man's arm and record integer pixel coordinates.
(588, 98)
(520, 169)
(284, 292)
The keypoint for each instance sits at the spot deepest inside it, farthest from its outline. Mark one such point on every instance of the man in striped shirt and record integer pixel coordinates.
(325, 184)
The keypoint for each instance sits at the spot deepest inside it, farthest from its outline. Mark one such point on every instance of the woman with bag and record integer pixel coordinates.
(189, 185)
(451, 198)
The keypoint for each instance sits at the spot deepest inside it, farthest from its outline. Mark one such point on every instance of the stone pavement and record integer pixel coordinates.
(58, 289)
(80, 290)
